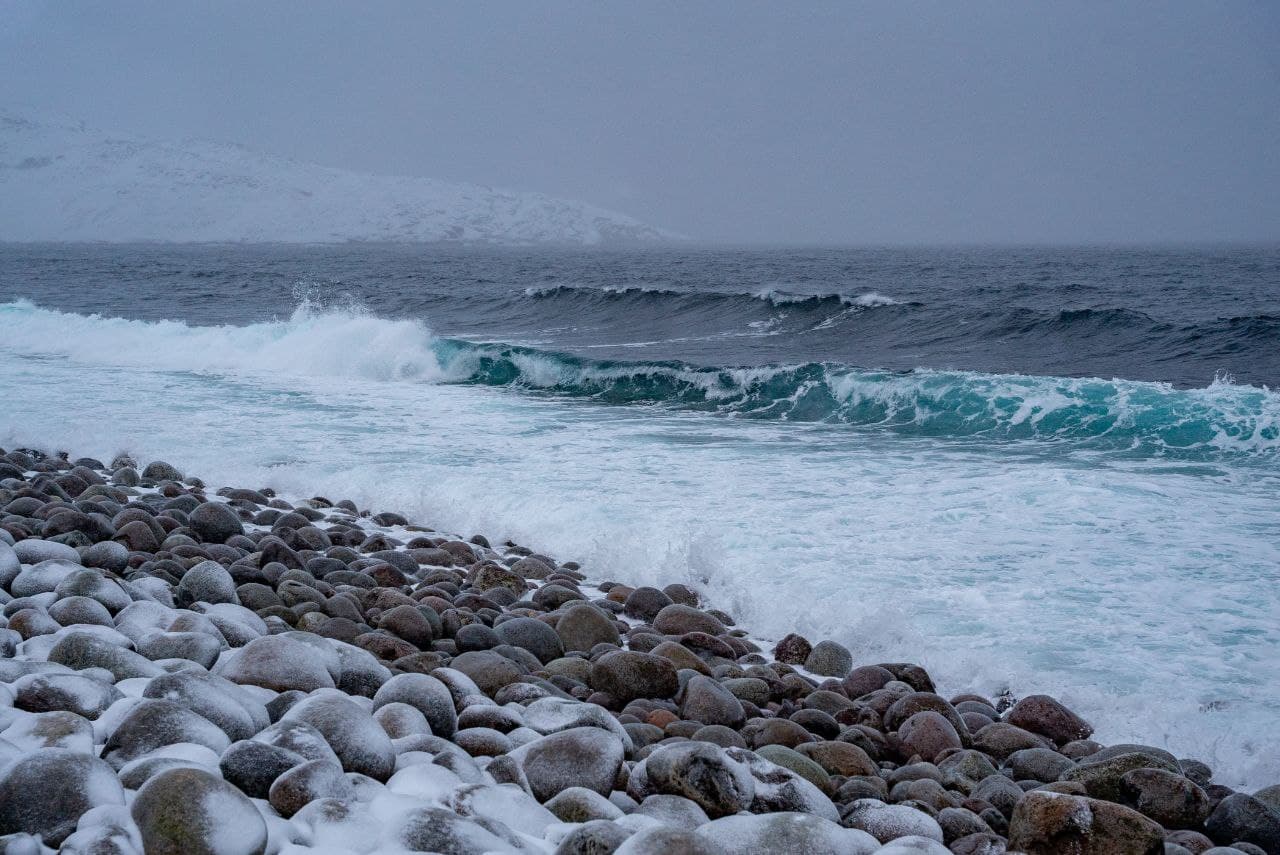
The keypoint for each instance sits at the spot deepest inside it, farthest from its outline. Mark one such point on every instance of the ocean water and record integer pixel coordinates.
(1028, 470)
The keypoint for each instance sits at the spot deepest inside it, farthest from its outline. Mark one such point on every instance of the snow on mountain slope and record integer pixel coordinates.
(63, 182)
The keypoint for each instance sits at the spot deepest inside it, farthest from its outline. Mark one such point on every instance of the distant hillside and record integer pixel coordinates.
(63, 182)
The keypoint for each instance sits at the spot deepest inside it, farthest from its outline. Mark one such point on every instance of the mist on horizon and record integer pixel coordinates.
(739, 122)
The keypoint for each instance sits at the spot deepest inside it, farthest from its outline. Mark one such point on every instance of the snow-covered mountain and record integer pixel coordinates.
(60, 181)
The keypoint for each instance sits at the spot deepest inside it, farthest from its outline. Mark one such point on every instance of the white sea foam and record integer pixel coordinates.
(1140, 592)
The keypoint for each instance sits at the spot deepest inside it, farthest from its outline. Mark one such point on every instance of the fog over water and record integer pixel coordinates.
(742, 122)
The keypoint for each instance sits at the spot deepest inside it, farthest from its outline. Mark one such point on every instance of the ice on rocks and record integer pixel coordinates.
(425, 693)
(35, 551)
(360, 743)
(36, 731)
(75, 693)
(152, 724)
(517, 809)
(788, 832)
(887, 822)
(191, 812)
(278, 662)
(550, 715)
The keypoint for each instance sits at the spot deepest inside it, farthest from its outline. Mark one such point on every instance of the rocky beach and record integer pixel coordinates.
(196, 670)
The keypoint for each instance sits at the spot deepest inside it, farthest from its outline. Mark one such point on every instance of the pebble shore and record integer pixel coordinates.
(190, 670)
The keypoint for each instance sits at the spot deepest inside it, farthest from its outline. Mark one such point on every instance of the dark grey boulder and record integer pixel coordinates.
(424, 693)
(153, 724)
(1241, 817)
(47, 791)
(706, 701)
(532, 635)
(215, 522)
(192, 812)
(587, 757)
(253, 766)
(626, 675)
(360, 744)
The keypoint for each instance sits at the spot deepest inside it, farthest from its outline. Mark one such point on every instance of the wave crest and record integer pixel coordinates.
(1112, 415)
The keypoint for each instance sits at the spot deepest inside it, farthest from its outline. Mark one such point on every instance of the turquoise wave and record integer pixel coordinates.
(1120, 415)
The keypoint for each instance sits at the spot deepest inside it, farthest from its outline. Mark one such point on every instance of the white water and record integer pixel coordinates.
(1139, 594)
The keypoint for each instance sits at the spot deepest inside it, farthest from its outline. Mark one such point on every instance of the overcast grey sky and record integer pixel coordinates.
(741, 121)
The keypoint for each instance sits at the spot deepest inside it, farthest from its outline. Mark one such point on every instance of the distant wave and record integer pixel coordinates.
(771, 296)
(1112, 415)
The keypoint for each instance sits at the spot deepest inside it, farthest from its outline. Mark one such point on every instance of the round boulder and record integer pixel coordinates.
(191, 812)
(47, 791)
(215, 522)
(626, 675)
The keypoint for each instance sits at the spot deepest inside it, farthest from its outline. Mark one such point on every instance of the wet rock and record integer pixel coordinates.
(829, 659)
(137, 536)
(928, 734)
(191, 812)
(681, 656)
(957, 822)
(702, 773)
(253, 766)
(490, 576)
(532, 635)
(1002, 739)
(1043, 715)
(215, 522)
(158, 470)
(583, 626)
(678, 619)
(1050, 823)
(1244, 818)
(708, 702)
(47, 791)
(409, 623)
(626, 675)
(999, 791)
(1192, 841)
(1039, 764)
(1169, 799)
(839, 758)
(794, 650)
(1101, 778)
(490, 671)
(207, 582)
(586, 757)
(645, 603)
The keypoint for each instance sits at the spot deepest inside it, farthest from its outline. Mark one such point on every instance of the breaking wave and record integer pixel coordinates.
(1111, 415)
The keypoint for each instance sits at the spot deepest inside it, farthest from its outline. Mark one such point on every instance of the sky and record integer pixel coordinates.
(742, 121)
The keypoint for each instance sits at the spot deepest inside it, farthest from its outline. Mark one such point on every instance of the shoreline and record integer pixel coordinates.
(686, 731)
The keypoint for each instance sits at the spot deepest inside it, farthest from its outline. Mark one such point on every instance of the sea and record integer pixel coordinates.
(1027, 469)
